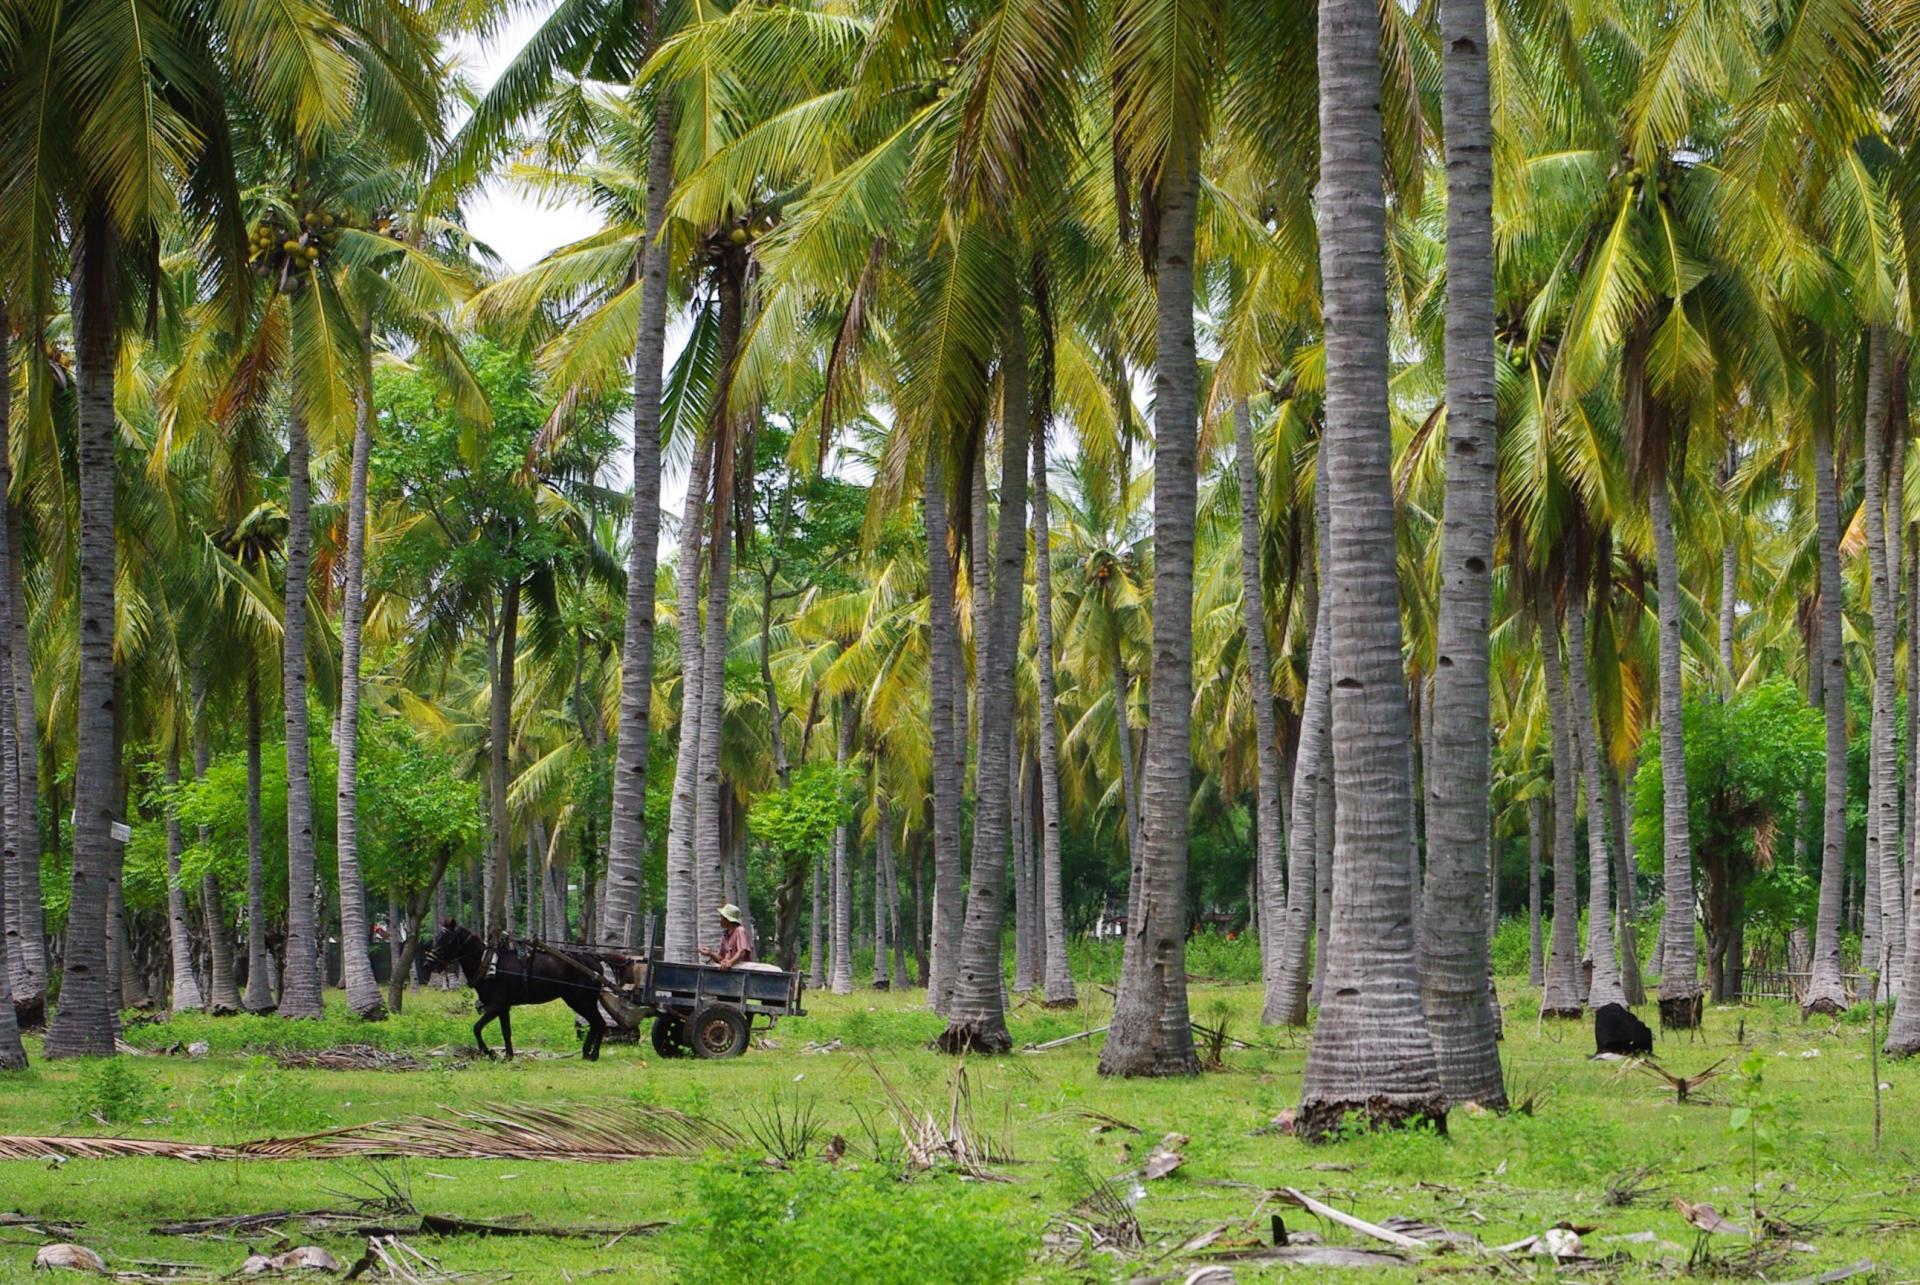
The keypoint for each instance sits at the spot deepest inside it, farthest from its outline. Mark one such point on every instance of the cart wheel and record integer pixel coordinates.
(669, 1036)
(719, 1032)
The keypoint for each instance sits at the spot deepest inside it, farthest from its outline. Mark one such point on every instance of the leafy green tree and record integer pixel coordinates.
(1748, 760)
(795, 826)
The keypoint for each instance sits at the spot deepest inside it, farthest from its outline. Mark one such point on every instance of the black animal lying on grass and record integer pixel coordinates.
(1617, 1030)
(516, 976)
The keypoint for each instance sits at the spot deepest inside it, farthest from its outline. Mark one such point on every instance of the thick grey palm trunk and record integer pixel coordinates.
(1056, 976)
(1371, 1054)
(1454, 960)
(943, 643)
(1270, 914)
(1561, 996)
(186, 990)
(1826, 988)
(976, 1011)
(626, 833)
(1605, 987)
(1151, 1031)
(1286, 989)
(13, 1054)
(300, 989)
(1680, 969)
(356, 970)
(841, 973)
(681, 898)
(83, 1024)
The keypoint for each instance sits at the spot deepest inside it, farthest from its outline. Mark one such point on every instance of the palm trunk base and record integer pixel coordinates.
(1068, 1000)
(1329, 1120)
(31, 1013)
(1562, 1011)
(975, 1035)
(1827, 998)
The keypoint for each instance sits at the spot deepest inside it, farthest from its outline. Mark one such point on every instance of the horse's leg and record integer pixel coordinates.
(596, 1030)
(506, 1029)
(487, 1014)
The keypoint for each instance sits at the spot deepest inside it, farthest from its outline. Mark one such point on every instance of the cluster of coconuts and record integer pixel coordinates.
(275, 247)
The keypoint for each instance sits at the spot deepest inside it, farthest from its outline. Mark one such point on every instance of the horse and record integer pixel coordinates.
(521, 976)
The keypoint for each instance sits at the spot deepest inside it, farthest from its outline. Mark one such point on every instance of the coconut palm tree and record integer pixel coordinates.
(1370, 1052)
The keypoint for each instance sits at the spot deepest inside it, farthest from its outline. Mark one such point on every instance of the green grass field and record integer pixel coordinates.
(1805, 1151)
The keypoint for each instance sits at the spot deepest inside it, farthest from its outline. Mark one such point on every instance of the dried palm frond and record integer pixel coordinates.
(955, 1140)
(498, 1133)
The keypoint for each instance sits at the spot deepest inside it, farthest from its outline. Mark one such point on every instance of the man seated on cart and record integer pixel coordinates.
(736, 943)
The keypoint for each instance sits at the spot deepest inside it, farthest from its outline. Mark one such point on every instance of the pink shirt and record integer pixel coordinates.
(736, 946)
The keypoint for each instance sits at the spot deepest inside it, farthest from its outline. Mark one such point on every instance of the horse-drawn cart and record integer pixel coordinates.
(702, 1009)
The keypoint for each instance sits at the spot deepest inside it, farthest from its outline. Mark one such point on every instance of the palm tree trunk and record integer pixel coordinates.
(301, 982)
(506, 643)
(816, 933)
(841, 976)
(1628, 934)
(1057, 980)
(356, 970)
(1605, 987)
(25, 914)
(186, 991)
(882, 874)
(1151, 1031)
(682, 902)
(1123, 734)
(13, 1054)
(223, 997)
(943, 643)
(1561, 997)
(84, 1022)
(1371, 1052)
(1826, 988)
(1680, 970)
(626, 835)
(1025, 964)
(1270, 915)
(976, 1013)
(1458, 770)
(1536, 955)
(1286, 989)
(1884, 442)
(1327, 807)
(260, 992)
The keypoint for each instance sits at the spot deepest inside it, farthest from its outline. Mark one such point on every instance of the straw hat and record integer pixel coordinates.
(730, 913)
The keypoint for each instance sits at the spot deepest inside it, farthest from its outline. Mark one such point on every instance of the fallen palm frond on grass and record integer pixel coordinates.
(497, 1133)
(349, 1057)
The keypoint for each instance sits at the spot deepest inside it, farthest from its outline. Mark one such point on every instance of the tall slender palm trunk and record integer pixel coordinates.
(1454, 959)
(505, 649)
(1605, 987)
(356, 970)
(1536, 955)
(976, 1011)
(626, 833)
(1883, 562)
(1057, 977)
(1270, 913)
(1680, 969)
(1561, 996)
(1627, 934)
(260, 989)
(1371, 1054)
(13, 1054)
(1287, 987)
(223, 995)
(25, 917)
(840, 976)
(1026, 963)
(1151, 1031)
(1826, 988)
(186, 990)
(883, 924)
(300, 988)
(83, 1023)
(943, 644)
(682, 901)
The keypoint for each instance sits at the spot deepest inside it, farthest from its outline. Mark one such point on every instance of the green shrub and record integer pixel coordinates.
(115, 1090)
(823, 1223)
(261, 1100)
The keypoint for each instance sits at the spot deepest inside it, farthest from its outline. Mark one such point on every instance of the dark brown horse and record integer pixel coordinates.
(513, 976)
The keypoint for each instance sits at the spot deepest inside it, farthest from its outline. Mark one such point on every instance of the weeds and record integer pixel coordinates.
(115, 1090)
(786, 1127)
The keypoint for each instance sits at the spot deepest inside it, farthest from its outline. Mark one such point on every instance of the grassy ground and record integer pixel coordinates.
(1807, 1142)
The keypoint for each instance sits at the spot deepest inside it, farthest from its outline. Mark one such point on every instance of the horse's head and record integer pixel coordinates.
(450, 946)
